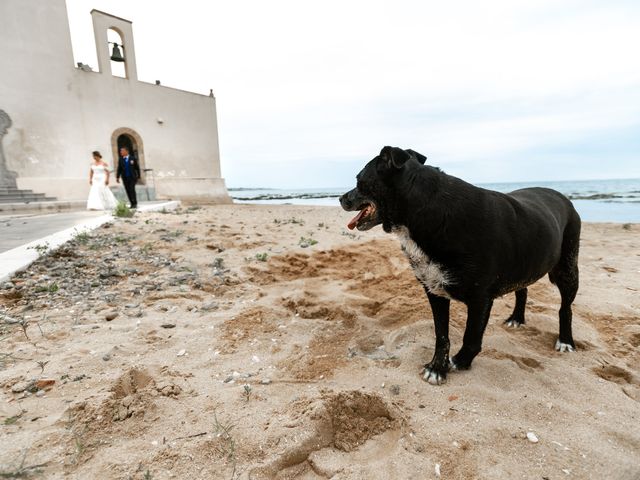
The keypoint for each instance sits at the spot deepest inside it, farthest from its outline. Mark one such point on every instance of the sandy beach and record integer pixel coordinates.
(269, 342)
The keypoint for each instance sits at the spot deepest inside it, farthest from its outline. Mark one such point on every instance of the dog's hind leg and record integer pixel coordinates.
(435, 372)
(566, 277)
(478, 313)
(517, 317)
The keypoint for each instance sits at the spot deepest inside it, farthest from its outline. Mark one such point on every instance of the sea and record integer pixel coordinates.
(616, 201)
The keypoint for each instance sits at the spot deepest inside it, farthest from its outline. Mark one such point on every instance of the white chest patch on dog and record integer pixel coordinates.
(429, 273)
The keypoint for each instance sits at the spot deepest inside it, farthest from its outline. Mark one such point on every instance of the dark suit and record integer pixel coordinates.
(130, 173)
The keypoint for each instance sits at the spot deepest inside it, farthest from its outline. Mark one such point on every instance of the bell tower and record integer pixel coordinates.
(102, 22)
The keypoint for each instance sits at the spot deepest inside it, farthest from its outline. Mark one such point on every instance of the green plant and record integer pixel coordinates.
(14, 419)
(80, 447)
(294, 220)
(42, 364)
(51, 288)
(41, 248)
(21, 470)
(82, 237)
(218, 263)
(246, 393)
(122, 211)
(223, 432)
(307, 242)
(262, 257)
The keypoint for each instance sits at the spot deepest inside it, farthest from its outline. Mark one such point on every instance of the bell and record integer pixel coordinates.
(116, 56)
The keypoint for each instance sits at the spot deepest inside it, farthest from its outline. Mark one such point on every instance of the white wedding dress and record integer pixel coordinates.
(100, 196)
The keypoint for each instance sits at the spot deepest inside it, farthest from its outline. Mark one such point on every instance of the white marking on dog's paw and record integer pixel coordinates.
(433, 377)
(513, 323)
(452, 365)
(564, 347)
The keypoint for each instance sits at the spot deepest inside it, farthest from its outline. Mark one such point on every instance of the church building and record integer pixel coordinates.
(56, 113)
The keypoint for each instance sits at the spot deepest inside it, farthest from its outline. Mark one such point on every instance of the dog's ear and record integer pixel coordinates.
(418, 156)
(394, 157)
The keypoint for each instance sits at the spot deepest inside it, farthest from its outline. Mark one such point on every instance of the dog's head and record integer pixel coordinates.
(378, 193)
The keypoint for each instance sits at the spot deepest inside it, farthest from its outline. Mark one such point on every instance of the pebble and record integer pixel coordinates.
(532, 437)
(209, 306)
(182, 353)
(110, 316)
(20, 387)
(437, 469)
(233, 377)
(168, 325)
(106, 357)
(265, 381)
(40, 393)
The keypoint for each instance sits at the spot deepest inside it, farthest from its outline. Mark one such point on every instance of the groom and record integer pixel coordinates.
(129, 170)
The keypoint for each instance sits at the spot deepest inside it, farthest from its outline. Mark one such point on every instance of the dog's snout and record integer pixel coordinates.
(345, 201)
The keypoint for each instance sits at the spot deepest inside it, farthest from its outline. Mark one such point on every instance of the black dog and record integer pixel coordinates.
(469, 244)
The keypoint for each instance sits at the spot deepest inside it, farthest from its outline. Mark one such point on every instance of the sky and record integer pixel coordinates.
(308, 92)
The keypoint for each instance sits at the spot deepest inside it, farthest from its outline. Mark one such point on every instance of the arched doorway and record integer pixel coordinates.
(126, 137)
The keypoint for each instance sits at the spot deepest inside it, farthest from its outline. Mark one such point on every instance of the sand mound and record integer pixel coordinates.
(339, 425)
(356, 417)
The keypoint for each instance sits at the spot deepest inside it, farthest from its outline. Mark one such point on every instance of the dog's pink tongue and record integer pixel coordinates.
(354, 221)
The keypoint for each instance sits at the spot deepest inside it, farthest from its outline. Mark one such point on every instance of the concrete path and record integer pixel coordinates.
(16, 230)
(19, 234)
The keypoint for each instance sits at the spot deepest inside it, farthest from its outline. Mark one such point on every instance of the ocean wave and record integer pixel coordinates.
(286, 196)
(600, 196)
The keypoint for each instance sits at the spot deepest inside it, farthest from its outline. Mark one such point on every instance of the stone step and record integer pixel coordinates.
(19, 193)
(10, 190)
(35, 197)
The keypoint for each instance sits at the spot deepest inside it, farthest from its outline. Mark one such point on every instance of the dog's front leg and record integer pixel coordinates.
(435, 372)
(478, 312)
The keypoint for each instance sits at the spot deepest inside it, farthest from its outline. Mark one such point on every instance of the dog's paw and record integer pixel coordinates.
(513, 323)
(433, 376)
(459, 362)
(564, 347)
(453, 366)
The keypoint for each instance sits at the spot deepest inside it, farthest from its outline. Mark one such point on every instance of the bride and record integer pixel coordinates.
(100, 197)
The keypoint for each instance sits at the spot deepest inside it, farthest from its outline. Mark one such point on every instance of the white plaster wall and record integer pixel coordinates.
(60, 114)
(36, 77)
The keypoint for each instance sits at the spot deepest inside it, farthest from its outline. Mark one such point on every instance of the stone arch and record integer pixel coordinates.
(138, 149)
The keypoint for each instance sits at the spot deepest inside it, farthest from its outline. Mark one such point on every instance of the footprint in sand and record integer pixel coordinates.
(526, 363)
(616, 374)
